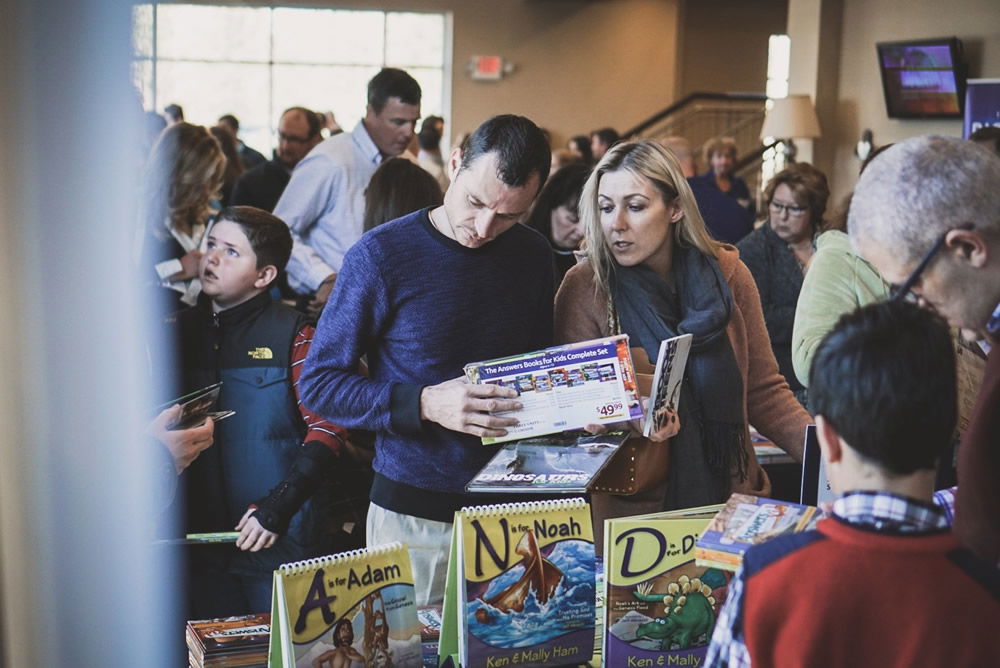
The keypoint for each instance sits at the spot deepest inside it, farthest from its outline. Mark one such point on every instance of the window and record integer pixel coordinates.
(255, 62)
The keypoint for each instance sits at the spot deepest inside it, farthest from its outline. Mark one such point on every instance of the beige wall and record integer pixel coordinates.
(580, 65)
(724, 44)
(859, 103)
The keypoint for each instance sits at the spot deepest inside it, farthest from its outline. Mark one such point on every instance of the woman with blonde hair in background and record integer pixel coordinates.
(653, 272)
(185, 171)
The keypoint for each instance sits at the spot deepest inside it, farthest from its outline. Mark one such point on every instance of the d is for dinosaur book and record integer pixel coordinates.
(520, 586)
(659, 606)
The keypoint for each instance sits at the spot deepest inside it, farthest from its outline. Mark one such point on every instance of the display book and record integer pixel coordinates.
(354, 606)
(563, 389)
(747, 520)
(660, 606)
(228, 641)
(520, 586)
(196, 407)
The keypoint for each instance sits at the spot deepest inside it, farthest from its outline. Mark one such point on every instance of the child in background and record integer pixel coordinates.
(883, 581)
(283, 478)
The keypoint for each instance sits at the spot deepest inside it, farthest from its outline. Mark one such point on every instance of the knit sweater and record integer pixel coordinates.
(848, 596)
(838, 281)
(420, 306)
(582, 313)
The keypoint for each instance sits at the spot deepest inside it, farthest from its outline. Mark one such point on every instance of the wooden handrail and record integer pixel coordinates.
(688, 99)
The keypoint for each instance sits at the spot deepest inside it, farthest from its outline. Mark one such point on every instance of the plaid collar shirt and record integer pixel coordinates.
(879, 510)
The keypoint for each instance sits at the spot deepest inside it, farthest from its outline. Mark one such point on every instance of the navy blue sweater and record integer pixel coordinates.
(421, 306)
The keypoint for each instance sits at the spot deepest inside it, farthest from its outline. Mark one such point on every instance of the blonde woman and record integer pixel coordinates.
(185, 171)
(652, 272)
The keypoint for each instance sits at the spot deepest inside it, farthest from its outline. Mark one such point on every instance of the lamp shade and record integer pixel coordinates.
(791, 117)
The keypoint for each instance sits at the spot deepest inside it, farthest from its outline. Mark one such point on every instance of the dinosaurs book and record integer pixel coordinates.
(659, 606)
(748, 520)
(520, 587)
(357, 606)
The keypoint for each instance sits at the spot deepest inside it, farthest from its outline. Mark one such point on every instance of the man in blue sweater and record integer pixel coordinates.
(420, 297)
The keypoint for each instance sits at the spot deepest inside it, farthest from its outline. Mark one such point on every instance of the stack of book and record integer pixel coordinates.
(229, 641)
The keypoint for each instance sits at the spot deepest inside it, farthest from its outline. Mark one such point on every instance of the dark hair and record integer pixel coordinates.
(563, 188)
(234, 164)
(987, 133)
(608, 136)
(174, 112)
(231, 121)
(269, 237)
(884, 377)
(391, 82)
(582, 146)
(398, 187)
(429, 137)
(336, 630)
(520, 147)
(312, 118)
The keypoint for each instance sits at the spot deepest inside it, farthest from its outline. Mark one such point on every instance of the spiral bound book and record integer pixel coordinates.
(346, 609)
(520, 585)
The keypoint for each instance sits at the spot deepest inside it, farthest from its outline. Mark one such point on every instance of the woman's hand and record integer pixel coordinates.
(253, 537)
(190, 266)
(666, 424)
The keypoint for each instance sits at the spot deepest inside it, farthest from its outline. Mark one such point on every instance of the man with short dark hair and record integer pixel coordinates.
(248, 156)
(422, 296)
(324, 202)
(174, 114)
(601, 140)
(298, 133)
(926, 215)
(882, 581)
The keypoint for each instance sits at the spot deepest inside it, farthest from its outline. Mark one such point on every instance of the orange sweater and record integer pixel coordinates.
(581, 313)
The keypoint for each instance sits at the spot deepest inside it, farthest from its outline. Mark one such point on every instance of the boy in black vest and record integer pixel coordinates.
(883, 581)
(274, 469)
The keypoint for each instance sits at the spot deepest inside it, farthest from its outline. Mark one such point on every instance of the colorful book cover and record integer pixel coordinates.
(667, 377)
(244, 634)
(563, 463)
(748, 520)
(566, 387)
(521, 586)
(660, 607)
(356, 606)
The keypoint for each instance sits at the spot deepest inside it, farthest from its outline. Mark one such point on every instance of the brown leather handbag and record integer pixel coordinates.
(640, 464)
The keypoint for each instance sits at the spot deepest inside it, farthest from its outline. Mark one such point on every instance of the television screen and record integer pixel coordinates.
(923, 79)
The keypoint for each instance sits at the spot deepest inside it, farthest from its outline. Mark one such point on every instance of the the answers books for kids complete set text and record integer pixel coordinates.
(659, 606)
(566, 387)
(355, 606)
(520, 588)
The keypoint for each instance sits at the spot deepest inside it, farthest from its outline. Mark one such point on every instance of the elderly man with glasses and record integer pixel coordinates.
(926, 214)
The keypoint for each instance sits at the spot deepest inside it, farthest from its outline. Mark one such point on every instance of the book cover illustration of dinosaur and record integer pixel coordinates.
(353, 609)
(527, 587)
(660, 607)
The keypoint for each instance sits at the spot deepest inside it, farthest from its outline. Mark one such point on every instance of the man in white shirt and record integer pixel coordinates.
(324, 204)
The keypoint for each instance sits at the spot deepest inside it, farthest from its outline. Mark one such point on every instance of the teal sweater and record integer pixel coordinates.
(838, 281)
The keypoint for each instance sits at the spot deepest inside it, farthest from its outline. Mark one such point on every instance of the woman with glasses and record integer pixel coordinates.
(652, 271)
(779, 251)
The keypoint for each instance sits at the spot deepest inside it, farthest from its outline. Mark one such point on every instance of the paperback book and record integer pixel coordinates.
(748, 520)
(520, 585)
(356, 606)
(566, 387)
(228, 641)
(560, 463)
(196, 407)
(660, 606)
(667, 378)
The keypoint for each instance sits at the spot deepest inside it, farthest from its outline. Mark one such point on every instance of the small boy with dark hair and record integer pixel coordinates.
(274, 469)
(882, 581)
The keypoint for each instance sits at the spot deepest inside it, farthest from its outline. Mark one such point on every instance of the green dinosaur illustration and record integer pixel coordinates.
(690, 610)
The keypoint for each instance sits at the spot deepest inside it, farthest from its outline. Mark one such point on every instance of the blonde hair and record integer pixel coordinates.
(648, 159)
(185, 170)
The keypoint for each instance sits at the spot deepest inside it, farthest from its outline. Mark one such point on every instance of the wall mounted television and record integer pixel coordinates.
(923, 78)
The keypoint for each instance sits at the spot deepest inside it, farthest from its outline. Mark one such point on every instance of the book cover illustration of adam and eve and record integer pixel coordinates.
(370, 635)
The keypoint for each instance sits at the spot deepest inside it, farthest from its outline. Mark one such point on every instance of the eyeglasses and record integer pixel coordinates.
(792, 209)
(291, 139)
(905, 290)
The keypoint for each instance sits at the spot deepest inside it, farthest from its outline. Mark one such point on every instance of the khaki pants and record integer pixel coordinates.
(429, 542)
